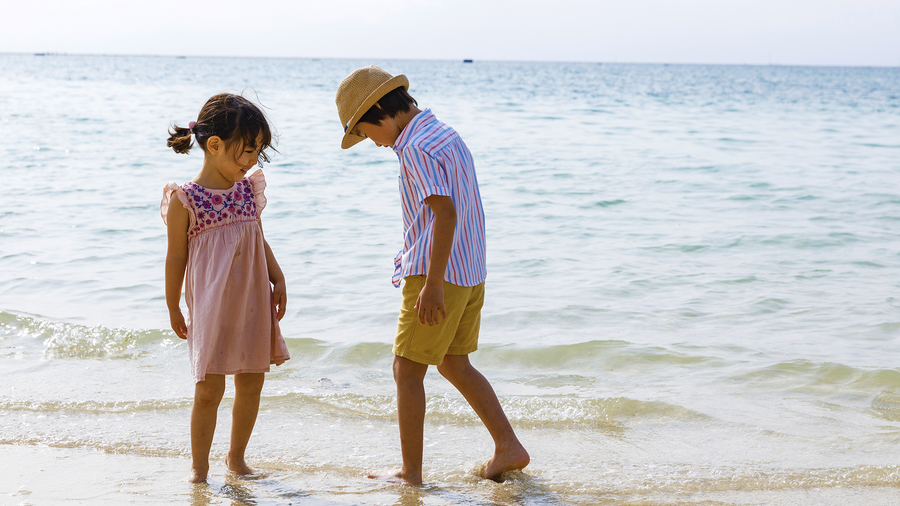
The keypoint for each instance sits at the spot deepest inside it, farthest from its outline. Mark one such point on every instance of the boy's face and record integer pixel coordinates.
(383, 135)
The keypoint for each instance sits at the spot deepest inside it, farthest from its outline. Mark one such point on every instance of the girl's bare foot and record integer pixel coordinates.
(197, 475)
(394, 476)
(503, 461)
(237, 465)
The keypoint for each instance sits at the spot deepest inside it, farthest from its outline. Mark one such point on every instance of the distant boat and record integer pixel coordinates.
(467, 61)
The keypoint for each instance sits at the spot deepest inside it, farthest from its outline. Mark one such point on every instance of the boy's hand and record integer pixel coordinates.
(279, 298)
(431, 304)
(176, 320)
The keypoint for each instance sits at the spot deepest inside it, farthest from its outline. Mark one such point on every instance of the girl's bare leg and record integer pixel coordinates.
(247, 389)
(207, 396)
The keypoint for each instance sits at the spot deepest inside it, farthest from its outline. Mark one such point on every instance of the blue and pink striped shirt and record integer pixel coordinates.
(434, 160)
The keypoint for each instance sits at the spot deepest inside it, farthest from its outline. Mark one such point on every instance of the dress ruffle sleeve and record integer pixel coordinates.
(168, 191)
(258, 184)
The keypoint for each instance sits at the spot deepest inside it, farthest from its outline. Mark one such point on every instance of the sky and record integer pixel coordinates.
(783, 32)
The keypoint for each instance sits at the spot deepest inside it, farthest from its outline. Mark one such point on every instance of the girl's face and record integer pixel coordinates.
(235, 169)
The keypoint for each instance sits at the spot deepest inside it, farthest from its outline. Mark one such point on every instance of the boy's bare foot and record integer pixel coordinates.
(394, 476)
(503, 461)
(237, 465)
(197, 476)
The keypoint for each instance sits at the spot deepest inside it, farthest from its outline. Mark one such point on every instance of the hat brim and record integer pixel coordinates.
(351, 139)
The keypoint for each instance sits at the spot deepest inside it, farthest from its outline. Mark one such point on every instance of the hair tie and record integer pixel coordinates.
(191, 126)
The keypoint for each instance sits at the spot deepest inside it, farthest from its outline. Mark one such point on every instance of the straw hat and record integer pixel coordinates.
(358, 92)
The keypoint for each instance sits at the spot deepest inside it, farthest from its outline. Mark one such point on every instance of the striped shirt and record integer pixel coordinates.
(434, 160)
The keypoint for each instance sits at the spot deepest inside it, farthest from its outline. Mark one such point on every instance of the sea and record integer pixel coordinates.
(693, 292)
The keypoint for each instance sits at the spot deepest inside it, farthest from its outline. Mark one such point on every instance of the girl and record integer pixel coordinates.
(233, 286)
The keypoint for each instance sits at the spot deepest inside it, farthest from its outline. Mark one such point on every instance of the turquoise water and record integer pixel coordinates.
(692, 283)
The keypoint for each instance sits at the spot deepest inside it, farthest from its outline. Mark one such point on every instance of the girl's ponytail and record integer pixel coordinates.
(232, 118)
(180, 139)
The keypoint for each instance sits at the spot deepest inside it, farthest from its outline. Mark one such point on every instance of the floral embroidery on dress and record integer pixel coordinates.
(215, 209)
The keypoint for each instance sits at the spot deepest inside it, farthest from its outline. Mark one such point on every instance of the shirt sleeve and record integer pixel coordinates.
(428, 174)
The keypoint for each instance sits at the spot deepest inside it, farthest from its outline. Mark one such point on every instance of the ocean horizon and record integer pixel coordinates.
(448, 60)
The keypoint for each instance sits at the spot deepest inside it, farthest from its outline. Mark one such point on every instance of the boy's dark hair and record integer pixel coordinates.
(231, 118)
(391, 104)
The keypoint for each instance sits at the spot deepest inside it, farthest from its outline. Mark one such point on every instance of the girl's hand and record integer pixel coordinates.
(176, 319)
(279, 293)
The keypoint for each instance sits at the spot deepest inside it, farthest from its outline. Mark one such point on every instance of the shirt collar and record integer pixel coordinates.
(424, 117)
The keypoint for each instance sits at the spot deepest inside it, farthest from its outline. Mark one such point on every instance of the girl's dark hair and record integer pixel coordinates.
(231, 118)
(392, 103)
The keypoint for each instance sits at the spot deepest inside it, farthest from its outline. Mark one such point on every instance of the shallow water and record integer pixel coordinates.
(691, 293)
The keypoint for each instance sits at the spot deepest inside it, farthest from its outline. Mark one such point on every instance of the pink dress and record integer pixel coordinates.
(232, 326)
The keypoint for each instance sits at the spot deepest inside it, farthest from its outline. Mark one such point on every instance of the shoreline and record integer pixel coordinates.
(53, 475)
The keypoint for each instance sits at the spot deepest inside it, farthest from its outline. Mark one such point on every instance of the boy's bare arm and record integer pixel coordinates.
(430, 303)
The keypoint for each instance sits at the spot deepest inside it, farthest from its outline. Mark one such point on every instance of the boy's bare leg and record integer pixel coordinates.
(207, 396)
(409, 377)
(247, 389)
(509, 454)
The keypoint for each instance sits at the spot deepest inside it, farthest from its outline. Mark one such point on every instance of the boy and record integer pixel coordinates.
(442, 262)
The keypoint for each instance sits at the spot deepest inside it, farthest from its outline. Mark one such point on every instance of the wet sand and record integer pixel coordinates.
(40, 475)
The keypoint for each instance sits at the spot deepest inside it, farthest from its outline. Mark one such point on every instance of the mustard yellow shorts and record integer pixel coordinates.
(457, 335)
